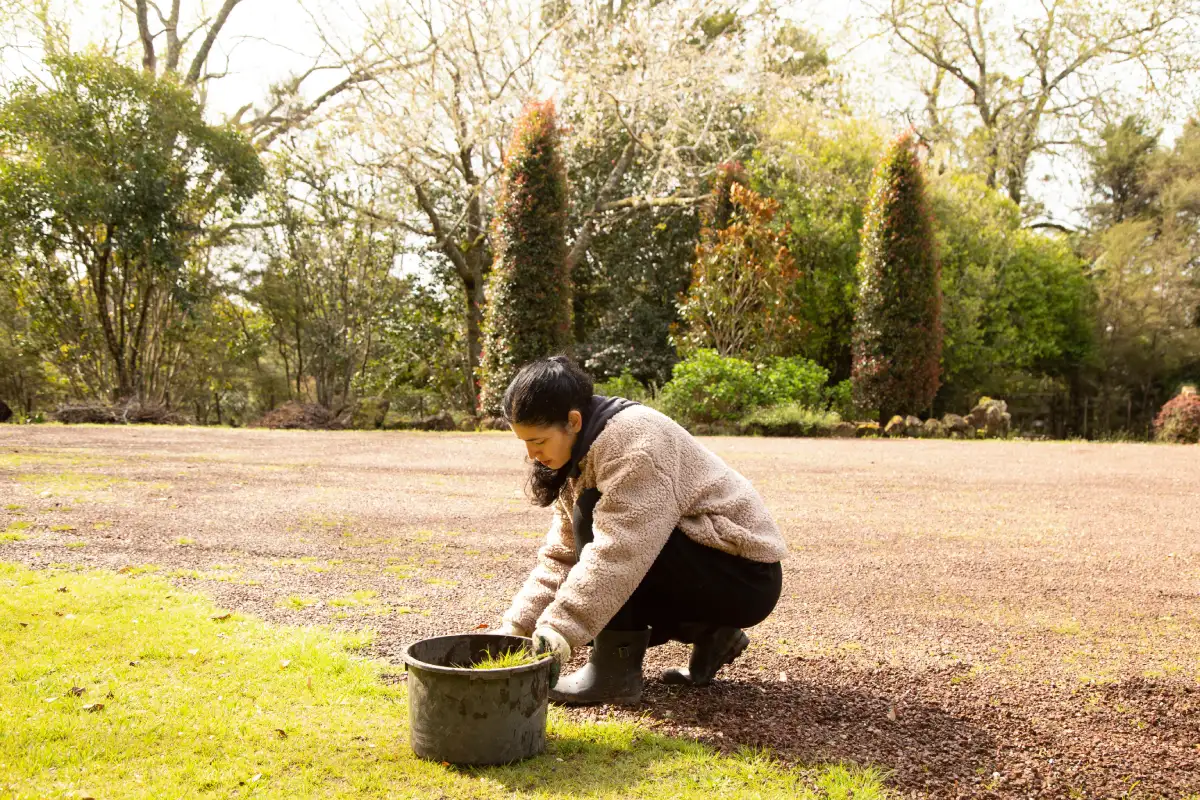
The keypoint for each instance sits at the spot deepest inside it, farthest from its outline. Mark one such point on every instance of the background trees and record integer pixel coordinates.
(1061, 174)
(111, 179)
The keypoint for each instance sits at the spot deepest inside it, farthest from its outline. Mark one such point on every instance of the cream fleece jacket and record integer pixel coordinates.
(653, 477)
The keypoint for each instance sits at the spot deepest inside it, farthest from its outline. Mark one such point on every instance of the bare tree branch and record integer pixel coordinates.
(197, 67)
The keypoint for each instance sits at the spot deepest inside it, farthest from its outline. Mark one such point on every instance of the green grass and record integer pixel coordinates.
(296, 602)
(361, 597)
(506, 660)
(14, 531)
(197, 702)
(791, 420)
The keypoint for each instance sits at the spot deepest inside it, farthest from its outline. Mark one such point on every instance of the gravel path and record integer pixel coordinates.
(983, 619)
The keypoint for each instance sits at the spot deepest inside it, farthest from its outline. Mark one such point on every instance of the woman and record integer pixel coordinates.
(654, 539)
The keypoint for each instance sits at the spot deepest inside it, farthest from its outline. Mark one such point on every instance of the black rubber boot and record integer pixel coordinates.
(613, 673)
(712, 648)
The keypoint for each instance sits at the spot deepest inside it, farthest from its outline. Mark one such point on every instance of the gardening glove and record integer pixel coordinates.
(548, 640)
(512, 629)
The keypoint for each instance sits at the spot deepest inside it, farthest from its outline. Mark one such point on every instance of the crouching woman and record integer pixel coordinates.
(654, 539)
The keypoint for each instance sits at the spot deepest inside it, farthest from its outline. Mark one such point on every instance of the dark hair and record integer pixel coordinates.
(545, 392)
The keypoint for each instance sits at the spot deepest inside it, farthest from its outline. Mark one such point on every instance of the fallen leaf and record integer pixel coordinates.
(93, 707)
(125, 570)
(255, 778)
(221, 617)
(58, 613)
(783, 677)
(23, 624)
(281, 733)
(892, 713)
(445, 763)
(193, 652)
(309, 681)
(109, 696)
(77, 690)
(68, 616)
(46, 493)
(284, 664)
(482, 626)
(134, 663)
(62, 589)
(49, 699)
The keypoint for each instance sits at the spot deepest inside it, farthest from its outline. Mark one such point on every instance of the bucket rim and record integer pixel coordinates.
(412, 662)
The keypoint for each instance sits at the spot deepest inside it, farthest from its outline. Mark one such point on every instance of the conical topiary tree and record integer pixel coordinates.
(529, 292)
(897, 327)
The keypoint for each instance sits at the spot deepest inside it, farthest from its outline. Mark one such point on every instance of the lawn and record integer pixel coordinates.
(123, 686)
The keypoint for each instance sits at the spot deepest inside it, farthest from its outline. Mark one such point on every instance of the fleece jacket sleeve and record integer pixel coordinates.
(631, 523)
(554, 561)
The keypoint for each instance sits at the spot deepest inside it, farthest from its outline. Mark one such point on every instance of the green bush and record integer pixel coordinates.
(840, 399)
(625, 386)
(709, 388)
(794, 380)
(792, 419)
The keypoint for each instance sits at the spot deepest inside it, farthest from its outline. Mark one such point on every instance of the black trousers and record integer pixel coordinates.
(688, 585)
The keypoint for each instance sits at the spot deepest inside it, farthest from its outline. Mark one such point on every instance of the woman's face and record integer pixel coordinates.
(550, 445)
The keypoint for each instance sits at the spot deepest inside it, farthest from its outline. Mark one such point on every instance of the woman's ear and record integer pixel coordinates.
(574, 421)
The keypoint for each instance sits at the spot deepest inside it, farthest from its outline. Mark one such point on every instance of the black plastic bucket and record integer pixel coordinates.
(475, 716)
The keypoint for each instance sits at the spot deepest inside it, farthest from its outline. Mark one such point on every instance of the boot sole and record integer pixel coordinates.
(568, 700)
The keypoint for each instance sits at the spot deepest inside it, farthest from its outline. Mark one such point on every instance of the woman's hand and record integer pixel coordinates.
(548, 640)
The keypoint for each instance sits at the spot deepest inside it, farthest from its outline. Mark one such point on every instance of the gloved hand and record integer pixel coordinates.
(548, 640)
(512, 629)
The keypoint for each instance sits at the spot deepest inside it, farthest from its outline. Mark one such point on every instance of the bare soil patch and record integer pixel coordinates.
(984, 619)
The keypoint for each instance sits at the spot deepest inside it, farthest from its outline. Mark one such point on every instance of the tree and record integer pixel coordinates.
(529, 311)
(898, 330)
(661, 91)
(739, 302)
(327, 285)
(180, 40)
(1012, 86)
(1145, 271)
(819, 170)
(110, 179)
(1018, 310)
(1121, 165)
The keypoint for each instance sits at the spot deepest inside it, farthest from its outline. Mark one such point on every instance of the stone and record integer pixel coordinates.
(991, 418)
(896, 427)
(913, 427)
(844, 430)
(868, 430)
(934, 429)
(998, 423)
(954, 424)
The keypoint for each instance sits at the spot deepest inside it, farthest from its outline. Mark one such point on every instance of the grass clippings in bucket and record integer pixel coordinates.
(518, 657)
